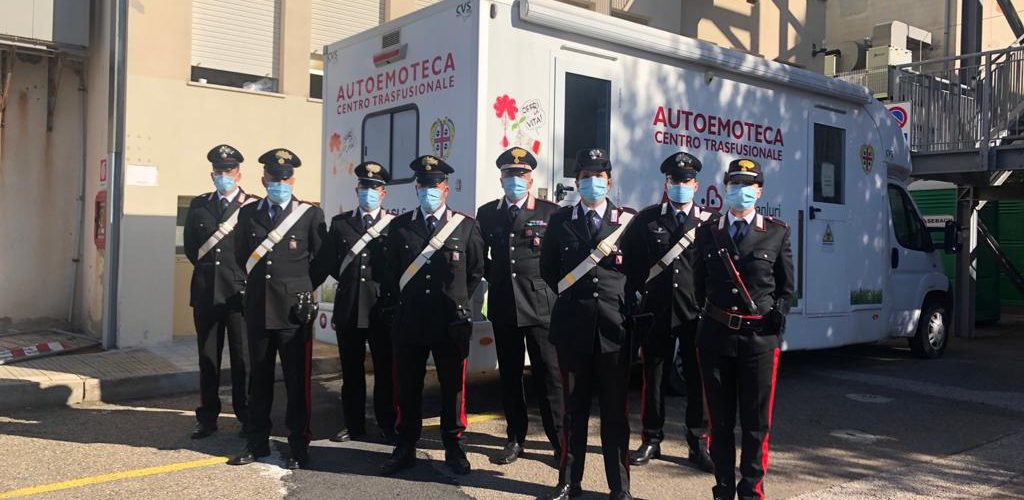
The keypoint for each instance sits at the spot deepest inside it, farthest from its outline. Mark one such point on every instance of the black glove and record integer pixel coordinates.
(775, 322)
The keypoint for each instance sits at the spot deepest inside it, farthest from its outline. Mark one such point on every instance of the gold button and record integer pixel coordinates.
(511, 248)
(362, 279)
(513, 275)
(218, 250)
(217, 263)
(735, 290)
(362, 267)
(267, 276)
(513, 261)
(595, 280)
(734, 308)
(428, 276)
(269, 262)
(675, 285)
(596, 295)
(427, 292)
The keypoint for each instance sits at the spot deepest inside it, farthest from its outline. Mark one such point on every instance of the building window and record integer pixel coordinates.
(236, 43)
(588, 117)
(829, 152)
(334, 20)
(391, 137)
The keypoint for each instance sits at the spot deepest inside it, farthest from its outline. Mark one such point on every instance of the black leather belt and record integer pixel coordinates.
(733, 321)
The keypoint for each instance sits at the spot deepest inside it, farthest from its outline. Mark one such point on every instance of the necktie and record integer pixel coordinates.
(513, 212)
(593, 222)
(739, 230)
(367, 221)
(273, 212)
(431, 223)
(681, 218)
(224, 202)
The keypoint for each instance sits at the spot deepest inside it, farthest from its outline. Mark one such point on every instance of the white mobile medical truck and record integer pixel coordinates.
(464, 80)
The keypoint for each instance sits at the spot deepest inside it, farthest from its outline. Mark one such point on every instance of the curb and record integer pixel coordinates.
(75, 389)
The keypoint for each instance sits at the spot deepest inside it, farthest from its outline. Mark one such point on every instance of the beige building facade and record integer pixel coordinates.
(201, 73)
(853, 20)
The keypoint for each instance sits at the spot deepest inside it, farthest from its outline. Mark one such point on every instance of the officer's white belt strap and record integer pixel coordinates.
(676, 250)
(372, 233)
(274, 237)
(604, 249)
(434, 244)
(222, 231)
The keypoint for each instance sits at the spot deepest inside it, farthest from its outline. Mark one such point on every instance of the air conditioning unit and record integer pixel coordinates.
(881, 57)
(59, 22)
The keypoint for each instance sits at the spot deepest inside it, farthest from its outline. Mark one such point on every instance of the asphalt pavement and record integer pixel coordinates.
(851, 423)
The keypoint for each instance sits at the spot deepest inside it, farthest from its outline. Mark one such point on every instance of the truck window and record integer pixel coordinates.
(391, 137)
(911, 232)
(588, 117)
(829, 166)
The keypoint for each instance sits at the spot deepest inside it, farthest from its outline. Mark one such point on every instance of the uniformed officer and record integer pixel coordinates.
(434, 262)
(661, 238)
(580, 258)
(352, 253)
(278, 238)
(519, 301)
(746, 273)
(216, 291)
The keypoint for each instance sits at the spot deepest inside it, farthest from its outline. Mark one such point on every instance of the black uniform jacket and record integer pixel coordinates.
(284, 271)
(217, 279)
(359, 284)
(597, 303)
(764, 259)
(440, 293)
(670, 295)
(516, 294)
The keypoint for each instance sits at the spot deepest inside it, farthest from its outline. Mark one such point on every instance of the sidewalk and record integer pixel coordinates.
(120, 375)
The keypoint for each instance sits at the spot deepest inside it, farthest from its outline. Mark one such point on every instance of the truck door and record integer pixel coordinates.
(826, 288)
(585, 87)
(909, 261)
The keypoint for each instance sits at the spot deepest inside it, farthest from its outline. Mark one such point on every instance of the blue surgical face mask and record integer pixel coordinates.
(430, 199)
(369, 199)
(279, 192)
(680, 193)
(224, 183)
(593, 189)
(515, 187)
(741, 196)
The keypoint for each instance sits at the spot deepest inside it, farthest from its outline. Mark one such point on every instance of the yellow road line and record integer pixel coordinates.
(472, 419)
(116, 476)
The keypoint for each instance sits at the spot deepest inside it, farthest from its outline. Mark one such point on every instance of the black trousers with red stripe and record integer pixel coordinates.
(410, 369)
(739, 372)
(294, 346)
(659, 353)
(352, 352)
(607, 374)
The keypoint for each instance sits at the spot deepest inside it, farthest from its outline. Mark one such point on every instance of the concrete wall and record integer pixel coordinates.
(89, 289)
(39, 179)
(781, 30)
(171, 124)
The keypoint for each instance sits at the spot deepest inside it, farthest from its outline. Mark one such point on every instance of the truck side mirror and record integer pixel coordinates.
(951, 237)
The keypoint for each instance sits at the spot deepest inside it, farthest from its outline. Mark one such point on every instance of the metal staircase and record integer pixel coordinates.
(968, 128)
(968, 114)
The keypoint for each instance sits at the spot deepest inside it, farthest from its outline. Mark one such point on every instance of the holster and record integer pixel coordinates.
(461, 331)
(305, 309)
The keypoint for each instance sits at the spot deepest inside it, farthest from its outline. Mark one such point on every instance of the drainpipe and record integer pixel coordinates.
(115, 196)
(80, 227)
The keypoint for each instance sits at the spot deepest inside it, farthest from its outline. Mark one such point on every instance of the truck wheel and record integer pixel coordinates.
(932, 332)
